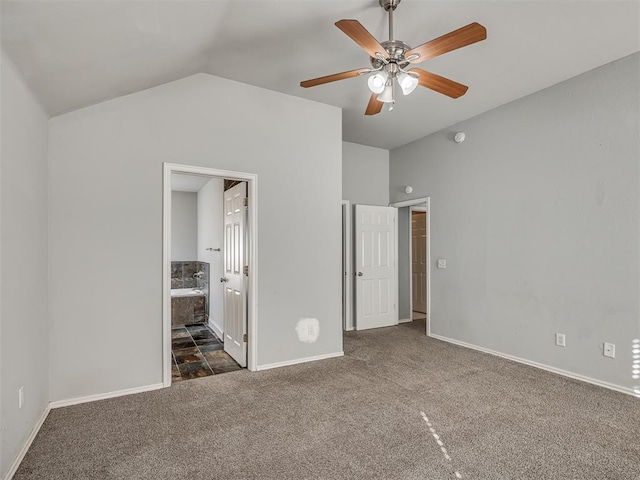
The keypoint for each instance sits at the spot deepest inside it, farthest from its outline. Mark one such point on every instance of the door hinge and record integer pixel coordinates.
(245, 270)
(245, 201)
(245, 338)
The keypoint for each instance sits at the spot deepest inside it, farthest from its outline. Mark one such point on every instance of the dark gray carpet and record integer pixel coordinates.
(356, 417)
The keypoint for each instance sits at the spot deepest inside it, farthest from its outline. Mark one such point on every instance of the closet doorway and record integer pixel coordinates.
(419, 263)
(414, 264)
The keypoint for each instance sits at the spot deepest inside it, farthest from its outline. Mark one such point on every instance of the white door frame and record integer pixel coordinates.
(411, 210)
(252, 260)
(411, 203)
(347, 321)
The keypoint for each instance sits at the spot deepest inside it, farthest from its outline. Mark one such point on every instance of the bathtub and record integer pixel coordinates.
(188, 305)
(186, 292)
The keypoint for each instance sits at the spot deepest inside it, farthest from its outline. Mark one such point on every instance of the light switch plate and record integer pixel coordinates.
(442, 263)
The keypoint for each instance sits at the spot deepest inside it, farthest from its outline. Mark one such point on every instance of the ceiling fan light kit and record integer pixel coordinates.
(387, 94)
(390, 60)
(408, 83)
(377, 82)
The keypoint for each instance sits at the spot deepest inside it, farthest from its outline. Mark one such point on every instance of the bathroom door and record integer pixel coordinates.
(235, 325)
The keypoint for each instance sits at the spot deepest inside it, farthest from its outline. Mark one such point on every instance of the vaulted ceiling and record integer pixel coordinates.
(77, 53)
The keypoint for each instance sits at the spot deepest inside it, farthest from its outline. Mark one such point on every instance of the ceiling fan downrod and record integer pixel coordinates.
(391, 24)
(390, 6)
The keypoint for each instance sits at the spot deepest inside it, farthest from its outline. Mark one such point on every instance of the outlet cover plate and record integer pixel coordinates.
(609, 350)
(560, 340)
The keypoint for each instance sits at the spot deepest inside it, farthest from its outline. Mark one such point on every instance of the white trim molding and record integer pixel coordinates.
(215, 328)
(541, 366)
(347, 245)
(65, 403)
(27, 444)
(424, 209)
(252, 260)
(408, 203)
(286, 363)
(104, 396)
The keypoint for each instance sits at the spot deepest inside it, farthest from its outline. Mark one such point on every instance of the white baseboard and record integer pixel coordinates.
(104, 396)
(218, 331)
(405, 320)
(299, 360)
(350, 329)
(531, 363)
(23, 451)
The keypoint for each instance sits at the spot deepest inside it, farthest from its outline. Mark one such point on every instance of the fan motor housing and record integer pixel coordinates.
(396, 50)
(389, 4)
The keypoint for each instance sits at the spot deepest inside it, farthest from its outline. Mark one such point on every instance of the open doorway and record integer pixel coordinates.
(209, 272)
(418, 263)
(414, 261)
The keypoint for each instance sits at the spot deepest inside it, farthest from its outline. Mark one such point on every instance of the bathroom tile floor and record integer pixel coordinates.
(198, 352)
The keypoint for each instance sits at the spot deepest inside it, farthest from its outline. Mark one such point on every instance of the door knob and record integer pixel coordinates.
(359, 274)
(223, 279)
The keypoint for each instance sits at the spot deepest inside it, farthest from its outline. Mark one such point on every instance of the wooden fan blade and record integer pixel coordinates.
(440, 84)
(375, 106)
(472, 33)
(332, 78)
(362, 37)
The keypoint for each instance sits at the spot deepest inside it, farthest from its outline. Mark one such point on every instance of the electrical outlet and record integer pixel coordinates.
(311, 331)
(442, 263)
(20, 397)
(560, 341)
(609, 350)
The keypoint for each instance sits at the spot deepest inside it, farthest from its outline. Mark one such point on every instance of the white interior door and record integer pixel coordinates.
(375, 267)
(235, 325)
(419, 260)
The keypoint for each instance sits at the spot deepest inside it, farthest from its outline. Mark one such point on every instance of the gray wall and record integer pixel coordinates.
(184, 226)
(404, 264)
(106, 237)
(24, 321)
(211, 235)
(365, 174)
(537, 214)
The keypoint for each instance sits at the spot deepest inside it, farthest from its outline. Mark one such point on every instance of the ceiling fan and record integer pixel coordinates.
(390, 59)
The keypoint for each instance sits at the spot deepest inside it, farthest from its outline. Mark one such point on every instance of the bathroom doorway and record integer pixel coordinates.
(209, 251)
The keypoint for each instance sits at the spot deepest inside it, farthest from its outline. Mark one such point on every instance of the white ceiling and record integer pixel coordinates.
(77, 53)
(183, 182)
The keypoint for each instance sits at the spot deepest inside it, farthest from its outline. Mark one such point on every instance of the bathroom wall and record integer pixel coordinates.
(183, 275)
(184, 226)
(210, 235)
